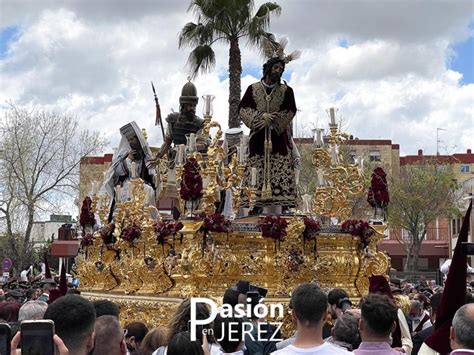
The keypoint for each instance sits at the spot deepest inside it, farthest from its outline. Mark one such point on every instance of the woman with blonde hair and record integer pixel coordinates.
(155, 338)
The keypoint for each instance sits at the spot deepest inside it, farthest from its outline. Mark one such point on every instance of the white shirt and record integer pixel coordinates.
(24, 275)
(325, 348)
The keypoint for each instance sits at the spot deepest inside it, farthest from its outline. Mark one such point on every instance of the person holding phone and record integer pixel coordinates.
(58, 343)
(74, 319)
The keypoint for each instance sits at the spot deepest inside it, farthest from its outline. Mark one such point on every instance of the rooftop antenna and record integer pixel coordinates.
(438, 141)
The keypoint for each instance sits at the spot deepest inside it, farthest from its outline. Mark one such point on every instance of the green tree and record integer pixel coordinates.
(39, 168)
(422, 193)
(226, 21)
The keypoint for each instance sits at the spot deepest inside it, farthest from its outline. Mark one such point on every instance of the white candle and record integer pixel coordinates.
(134, 169)
(361, 162)
(118, 193)
(95, 186)
(192, 142)
(320, 177)
(319, 141)
(179, 158)
(333, 155)
(253, 181)
(208, 106)
(333, 115)
(306, 202)
(242, 151)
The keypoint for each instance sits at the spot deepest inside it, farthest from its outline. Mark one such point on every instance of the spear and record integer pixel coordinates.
(158, 121)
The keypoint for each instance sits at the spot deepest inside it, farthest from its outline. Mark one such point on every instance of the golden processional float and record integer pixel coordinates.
(151, 262)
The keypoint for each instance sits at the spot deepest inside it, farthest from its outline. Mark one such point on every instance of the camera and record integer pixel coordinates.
(344, 304)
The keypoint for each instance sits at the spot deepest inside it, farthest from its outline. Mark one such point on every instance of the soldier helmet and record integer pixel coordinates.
(188, 94)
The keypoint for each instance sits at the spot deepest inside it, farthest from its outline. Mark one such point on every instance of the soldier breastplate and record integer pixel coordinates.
(181, 127)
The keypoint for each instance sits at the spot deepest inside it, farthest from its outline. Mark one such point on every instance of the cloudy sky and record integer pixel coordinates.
(395, 69)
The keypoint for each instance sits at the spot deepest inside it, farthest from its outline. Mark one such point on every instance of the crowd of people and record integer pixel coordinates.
(393, 318)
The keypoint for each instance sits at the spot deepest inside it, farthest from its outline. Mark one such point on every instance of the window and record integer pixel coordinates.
(465, 168)
(374, 155)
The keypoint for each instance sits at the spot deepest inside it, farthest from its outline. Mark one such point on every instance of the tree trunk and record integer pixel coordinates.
(409, 259)
(235, 71)
(417, 248)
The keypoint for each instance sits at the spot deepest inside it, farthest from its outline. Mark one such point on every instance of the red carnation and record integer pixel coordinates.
(87, 217)
(273, 227)
(191, 184)
(378, 190)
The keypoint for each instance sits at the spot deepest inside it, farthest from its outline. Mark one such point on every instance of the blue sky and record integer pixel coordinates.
(7, 35)
(463, 60)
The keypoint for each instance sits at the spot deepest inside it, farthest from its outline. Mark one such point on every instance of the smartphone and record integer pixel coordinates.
(37, 337)
(5, 335)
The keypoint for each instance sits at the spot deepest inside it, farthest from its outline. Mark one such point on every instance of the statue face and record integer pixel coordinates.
(134, 143)
(188, 110)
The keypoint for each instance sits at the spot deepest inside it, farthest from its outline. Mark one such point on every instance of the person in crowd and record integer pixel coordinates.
(401, 335)
(231, 297)
(417, 318)
(462, 331)
(30, 294)
(179, 323)
(337, 300)
(74, 319)
(32, 310)
(345, 332)
(378, 320)
(109, 336)
(73, 291)
(135, 332)
(420, 337)
(154, 339)
(47, 285)
(228, 333)
(181, 344)
(424, 300)
(309, 308)
(106, 307)
(9, 314)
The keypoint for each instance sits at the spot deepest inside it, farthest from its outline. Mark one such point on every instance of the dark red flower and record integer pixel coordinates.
(216, 223)
(107, 233)
(87, 240)
(164, 229)
(273, 227)
(131, 233)
(87, 217)
(358, 228)
(378, 191)
(312, 227)
(191, 184)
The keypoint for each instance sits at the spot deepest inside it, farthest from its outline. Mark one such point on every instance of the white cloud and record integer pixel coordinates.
(96, 59)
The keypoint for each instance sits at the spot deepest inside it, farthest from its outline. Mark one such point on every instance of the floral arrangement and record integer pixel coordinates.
(191, 184)
(107, 233)
(131, 233)
(87, 215)
(166, 228)
(378, 191)
(312, 227)
(358, 228)
(87, 240)
(216, 223)
(273, 227)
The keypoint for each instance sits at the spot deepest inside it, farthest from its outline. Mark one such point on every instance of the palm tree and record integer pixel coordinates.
(226, 21)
